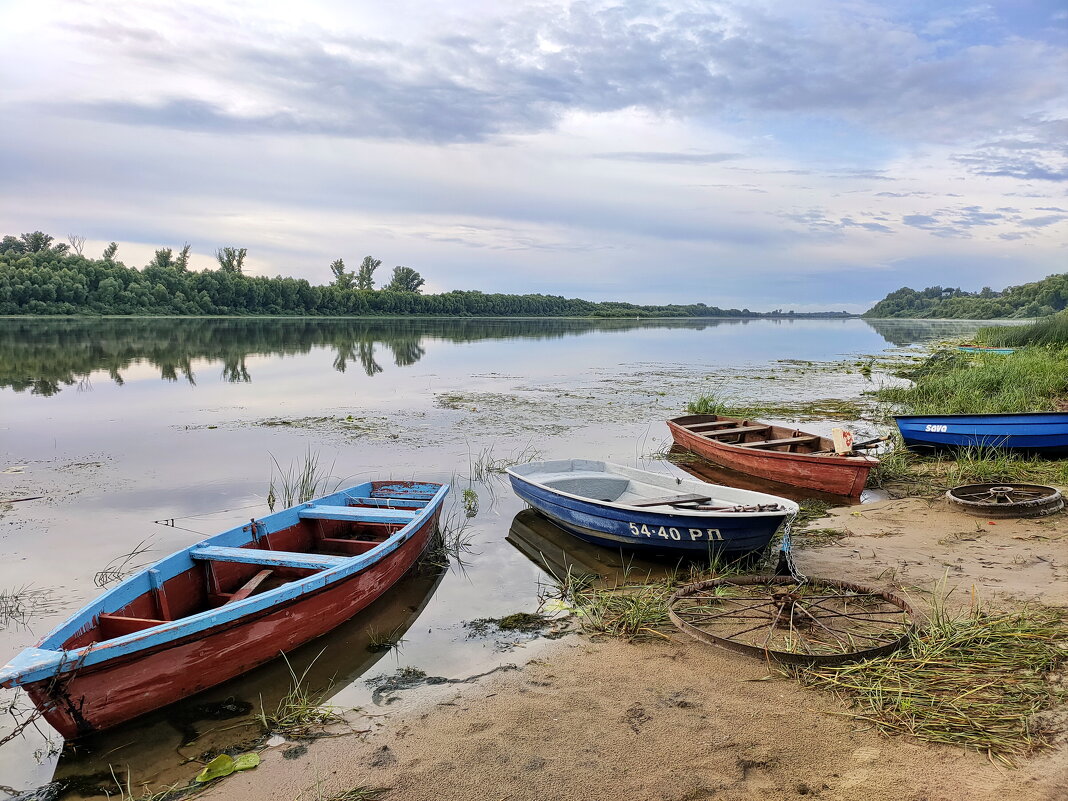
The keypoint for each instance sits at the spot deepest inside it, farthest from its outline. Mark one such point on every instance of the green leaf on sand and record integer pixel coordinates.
(224, 765)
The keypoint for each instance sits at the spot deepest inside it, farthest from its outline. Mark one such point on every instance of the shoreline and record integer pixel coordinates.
(674, 719)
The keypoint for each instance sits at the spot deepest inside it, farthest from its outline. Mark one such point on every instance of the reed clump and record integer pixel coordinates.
(1049, 331)
(303, 480)
(976, 680)
(300, 712)
(635, 609)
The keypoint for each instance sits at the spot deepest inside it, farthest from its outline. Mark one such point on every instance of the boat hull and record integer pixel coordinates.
(1040, 433)
(836, 475)
(650, 532)
(103, 695)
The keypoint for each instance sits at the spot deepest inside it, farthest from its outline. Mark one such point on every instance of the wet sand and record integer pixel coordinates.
(675, 719)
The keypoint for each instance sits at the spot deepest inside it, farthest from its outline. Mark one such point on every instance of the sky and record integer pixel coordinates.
(803, 155)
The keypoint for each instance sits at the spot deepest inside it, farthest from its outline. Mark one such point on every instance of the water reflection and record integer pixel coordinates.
(224, 716)
(565, 557)
(43, 356)
(908, 332)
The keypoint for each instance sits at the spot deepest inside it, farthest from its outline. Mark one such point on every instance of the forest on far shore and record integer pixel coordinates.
(1037, 299)
(39, 276)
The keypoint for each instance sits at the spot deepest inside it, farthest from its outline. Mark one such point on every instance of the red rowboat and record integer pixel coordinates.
(776, 453)
(226, 605)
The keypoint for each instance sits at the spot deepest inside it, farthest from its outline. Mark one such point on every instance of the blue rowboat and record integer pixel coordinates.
(981, 349)
(225, 605)
(1043, 433)
(621, 507)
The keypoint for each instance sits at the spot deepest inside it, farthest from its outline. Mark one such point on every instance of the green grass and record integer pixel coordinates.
(637, 609)
(1051, 331)
(903, 473)
(300, 712)
(1030, 380)
(301, 481)
(818, 409)
(974, 680)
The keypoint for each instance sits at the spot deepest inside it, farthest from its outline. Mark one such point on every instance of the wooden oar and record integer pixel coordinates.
(869, 443)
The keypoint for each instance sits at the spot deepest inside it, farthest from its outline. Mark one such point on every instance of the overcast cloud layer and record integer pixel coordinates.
(760, 154)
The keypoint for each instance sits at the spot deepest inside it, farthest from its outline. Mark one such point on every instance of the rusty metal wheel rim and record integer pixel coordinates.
(786, 620)
(1006, 500)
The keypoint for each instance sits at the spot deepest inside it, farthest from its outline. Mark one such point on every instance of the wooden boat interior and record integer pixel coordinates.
(305, 540)
(755, 435)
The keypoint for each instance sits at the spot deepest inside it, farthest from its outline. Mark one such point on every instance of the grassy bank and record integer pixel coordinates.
(1033, 379)
(1050, 331)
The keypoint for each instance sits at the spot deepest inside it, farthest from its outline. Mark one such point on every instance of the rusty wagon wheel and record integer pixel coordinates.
(813, 621)
(1006, 500)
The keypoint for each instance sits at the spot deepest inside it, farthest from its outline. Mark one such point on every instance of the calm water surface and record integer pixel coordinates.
(120, 424)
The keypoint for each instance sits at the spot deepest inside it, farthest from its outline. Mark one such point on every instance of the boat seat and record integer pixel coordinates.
(389, 503)
(703, 426)
(739, 430)
(671, 500)
(259, 556)
(771, 443)
(357, 514)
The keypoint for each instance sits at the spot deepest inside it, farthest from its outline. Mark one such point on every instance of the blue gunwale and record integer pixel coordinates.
(48, 657)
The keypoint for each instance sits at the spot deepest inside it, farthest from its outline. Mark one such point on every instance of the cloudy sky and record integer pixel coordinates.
(766, 154)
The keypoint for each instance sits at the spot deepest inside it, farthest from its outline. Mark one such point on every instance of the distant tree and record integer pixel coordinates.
(342, 278)
(12, 243)
(110, 251)
(40, 242)
(164, 258)
(182, 262)
(76, 243)
(405, 279)
(365, 275)
(231, 260)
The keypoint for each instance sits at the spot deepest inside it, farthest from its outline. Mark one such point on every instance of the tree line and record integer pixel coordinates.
(1036, 299)
(39, 276)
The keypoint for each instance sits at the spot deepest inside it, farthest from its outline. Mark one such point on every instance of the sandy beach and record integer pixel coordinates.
(674, 719)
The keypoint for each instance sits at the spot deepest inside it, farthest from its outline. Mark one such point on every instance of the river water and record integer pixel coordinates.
(150, 434)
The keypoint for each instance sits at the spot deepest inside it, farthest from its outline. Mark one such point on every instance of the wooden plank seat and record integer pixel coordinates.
(707, 426)
(258, 556)
(772, 443)
(672, 500)
(389, 503)
(724, 432)
(356, 514)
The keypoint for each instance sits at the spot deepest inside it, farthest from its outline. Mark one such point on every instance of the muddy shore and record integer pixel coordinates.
(674, 719)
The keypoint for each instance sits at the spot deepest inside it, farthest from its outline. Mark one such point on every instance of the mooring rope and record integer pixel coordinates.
(786, 557)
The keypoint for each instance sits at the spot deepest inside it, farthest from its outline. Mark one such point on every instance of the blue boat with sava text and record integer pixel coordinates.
(622, 507)
(1041, 433)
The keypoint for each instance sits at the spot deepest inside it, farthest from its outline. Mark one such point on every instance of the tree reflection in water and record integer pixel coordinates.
(45, 355)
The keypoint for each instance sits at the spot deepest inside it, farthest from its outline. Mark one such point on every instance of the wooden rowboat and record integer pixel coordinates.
(1040, 433)
(622, 507)
(226, 605)
(776, 453)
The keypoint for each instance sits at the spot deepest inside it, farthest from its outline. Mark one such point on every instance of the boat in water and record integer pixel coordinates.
(1038, 433)
(226, 604)
(623, 507)
(776, 453)
(984, 349)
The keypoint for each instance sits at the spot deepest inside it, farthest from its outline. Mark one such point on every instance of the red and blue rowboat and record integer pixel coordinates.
(1042, 433)
(225, 605)
(622, 507)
